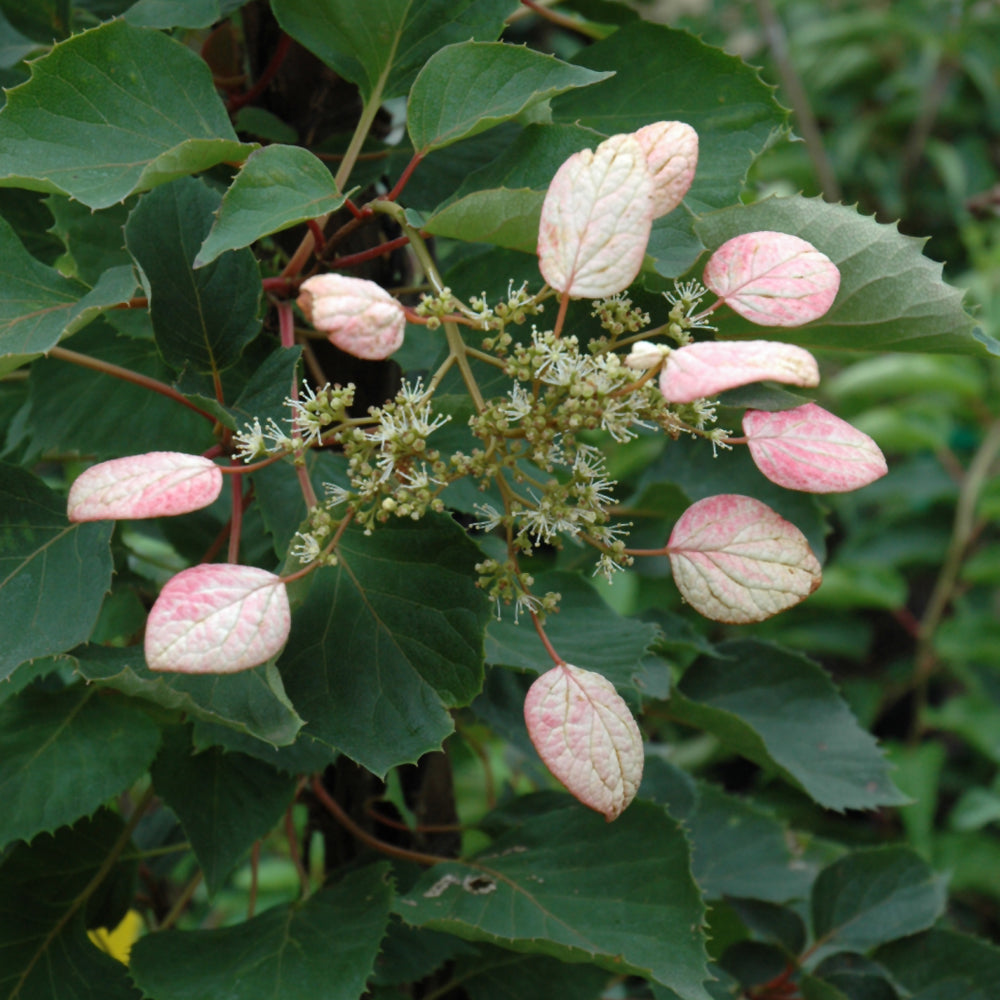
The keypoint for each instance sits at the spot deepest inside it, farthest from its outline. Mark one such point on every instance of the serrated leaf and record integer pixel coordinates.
(586, 736)
(873, 896)
(173, 13)
(323, 947)
(596, 219)
(202, 319)
(381, 46)
(45, 953)
(810, 449)
(891, 296)
(928, 964)
(65, 753)
(663, 74)
(217, 618)
(772, 279)
(39, 307)
(251, 702)
(93, 240)
(569, 885)
(277, 187)
(781, 710)
(46, 563)
(155, 484)
(706, 368)
(498, 974)
(161, 117)
(735, 560)
(387, 641)
(469, 87)
(225, 801)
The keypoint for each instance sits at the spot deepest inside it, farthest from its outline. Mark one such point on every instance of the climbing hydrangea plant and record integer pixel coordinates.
(315, 525)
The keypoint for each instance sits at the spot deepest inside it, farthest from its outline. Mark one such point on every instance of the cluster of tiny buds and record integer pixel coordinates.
(684, 301)
(618, 316)
(504, 584)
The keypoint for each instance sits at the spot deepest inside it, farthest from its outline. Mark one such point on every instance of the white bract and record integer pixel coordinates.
(735, 560)
(361, 317)
(697, 371)
(156, 484)
(217, 618)
(810, 449)
(596, 220)
(773, 279)
(585, 734)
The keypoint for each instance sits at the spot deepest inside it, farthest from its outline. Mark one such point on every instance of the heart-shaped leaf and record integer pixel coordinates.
(596, 219)
(217, 618)
(773, 279)
(696, 371)
(585, 734)
(671, 150)
(157, 484)
(735, 560)
(810, 449)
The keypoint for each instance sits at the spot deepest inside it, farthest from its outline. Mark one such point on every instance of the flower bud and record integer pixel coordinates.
(645, 355)
(361, 318)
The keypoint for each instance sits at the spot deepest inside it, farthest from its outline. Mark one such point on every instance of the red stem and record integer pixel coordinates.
(365, 255)
(561, 317)
(557, 659)
(404, 177)
(270, 72)
(318, 238)
(236, 521)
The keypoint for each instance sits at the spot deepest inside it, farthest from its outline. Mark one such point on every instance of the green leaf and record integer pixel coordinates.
(501, 216)
(941, 959)
(160, 117)
(225, 801)
(53, 574)
(569, 885)
(620, 655)
(662, 74)
(873, 896)
(781, 710)
(173, 13)
(252, 702)
(891, 296)
(122, 418)
(45, 953)
(202, 319)
(277, 187)
(65, 753)
(497, 974)
(38, 306)
(324, 947)
(382, 45)
(42, 20)
(388, 641)
(469, 87)
(93, 240)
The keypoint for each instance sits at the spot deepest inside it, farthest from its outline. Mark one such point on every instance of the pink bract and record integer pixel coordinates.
(217, 618)
(698, 371)
(671, 150)
(596, 220)
(587, 737)
(810, 449)
(773, 279)
(156, 484)
(735, 560)
(361, 317)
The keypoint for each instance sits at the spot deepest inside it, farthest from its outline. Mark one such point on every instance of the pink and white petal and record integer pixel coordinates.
(810, 449)
(702, 370)
(217, 618)
(587, 737)
(671, 150)
(735, 560)
(596, 219)
(156, 484)
(773, 279)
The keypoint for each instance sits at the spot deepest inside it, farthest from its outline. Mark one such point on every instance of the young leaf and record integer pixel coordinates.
(160, 117)
(157, 484)
(278, 186)
(736, 561)
(704, 369)
(596, 219)
(469, 87)
(361, 317)
(671, 150)
(217, 618)
(810, 449)
(773, 279)
(585, 734)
